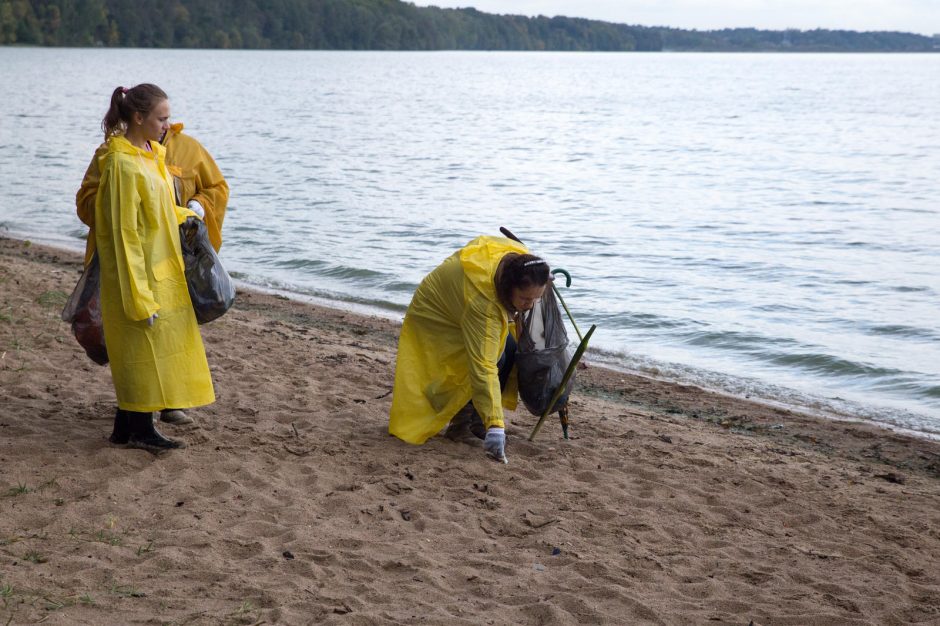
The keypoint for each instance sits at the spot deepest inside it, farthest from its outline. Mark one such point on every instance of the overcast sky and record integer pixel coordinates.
(915, 16)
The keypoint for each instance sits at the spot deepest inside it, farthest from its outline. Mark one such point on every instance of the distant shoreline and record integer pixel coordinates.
(448, 50)
(393, 25)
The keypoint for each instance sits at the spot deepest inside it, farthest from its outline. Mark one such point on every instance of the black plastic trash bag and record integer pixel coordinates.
(83, 312)
(542, 355)
(210, 287)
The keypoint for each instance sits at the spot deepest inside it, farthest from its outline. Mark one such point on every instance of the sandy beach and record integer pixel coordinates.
(292, 504)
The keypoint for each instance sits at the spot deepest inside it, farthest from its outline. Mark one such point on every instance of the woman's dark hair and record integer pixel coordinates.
(519, 271)
(125, 102)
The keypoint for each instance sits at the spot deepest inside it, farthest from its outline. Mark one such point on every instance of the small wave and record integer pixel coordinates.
(749, 343)
(355, 273)
(400, 286)
(793, 355)
(913, 210)
(819, 363)
(644, 321)
(899, 330)
(782, 308)
(299, 264)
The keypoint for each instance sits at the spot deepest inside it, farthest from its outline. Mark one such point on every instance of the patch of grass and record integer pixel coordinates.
(52, 299)
(34, 557)
(19, 490)
(245, 613)
(10, 318)
(127, 591)
(105, 536)
(54, 605)
(6, 591)
(86, 599)
(46, 485)
(112, 539)
(145, 549)
(246, 607)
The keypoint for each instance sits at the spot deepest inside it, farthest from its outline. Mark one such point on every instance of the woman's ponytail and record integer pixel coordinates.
(113, 124)
(125, 102)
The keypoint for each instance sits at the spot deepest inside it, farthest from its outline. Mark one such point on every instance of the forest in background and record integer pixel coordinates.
(388, 25)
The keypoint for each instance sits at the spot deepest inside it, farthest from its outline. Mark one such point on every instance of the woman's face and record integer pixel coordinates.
(155, 124)
(524, 298)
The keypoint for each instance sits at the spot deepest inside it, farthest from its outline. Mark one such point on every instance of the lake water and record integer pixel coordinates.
(762, 224)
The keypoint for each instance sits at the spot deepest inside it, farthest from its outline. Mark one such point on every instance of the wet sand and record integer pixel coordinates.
(292, 504)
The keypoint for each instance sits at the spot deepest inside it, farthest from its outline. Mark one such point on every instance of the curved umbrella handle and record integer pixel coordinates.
(558, 270)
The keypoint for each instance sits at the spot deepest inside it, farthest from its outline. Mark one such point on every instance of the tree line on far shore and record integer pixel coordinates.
(388, 25)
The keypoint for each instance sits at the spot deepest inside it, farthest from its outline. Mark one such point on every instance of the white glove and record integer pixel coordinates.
(495, 444)
(195, 207)
(152, 319)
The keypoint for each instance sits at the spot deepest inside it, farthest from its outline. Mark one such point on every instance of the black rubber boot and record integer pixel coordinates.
(122, 431)
(144, 435)
(476, 426)
(466, 426)
(175, 417)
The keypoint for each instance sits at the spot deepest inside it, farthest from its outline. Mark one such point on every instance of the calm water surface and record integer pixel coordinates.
(763, 224)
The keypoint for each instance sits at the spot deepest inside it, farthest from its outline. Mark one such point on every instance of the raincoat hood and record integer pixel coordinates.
(175, 129)
(477, 261)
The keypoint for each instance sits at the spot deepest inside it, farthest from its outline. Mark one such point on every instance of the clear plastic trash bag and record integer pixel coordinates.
(83, 312)
(542, 355)
(210, 287)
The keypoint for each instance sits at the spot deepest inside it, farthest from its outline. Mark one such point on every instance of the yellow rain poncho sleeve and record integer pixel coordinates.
(195, 177)
(85, 199)
(452, 336)
(137, 238)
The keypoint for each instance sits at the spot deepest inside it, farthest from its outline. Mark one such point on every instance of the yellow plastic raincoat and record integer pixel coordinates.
(452, 336)
(164, 365)
(195, 177)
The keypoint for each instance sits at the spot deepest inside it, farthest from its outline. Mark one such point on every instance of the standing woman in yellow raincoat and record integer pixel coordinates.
(198, 184)
(156, 354)
(455, 344)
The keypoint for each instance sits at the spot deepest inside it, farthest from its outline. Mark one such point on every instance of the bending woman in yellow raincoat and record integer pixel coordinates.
(198, 184)
(150, 330)
(454, 332)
